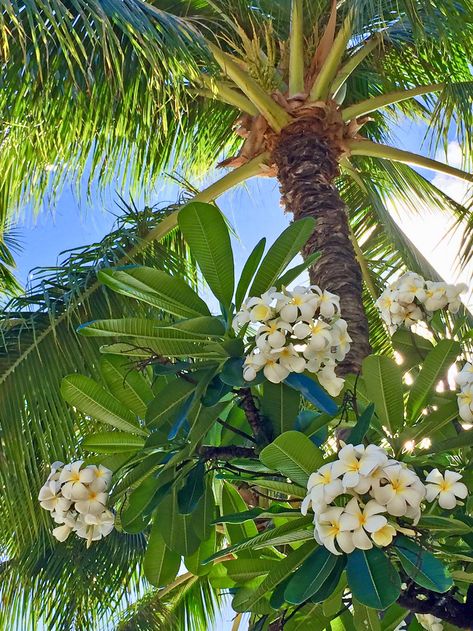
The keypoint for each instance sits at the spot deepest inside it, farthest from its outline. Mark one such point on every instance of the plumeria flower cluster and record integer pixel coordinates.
(296, 331)
(358, 498)
(76, 497)
(411, 299)
(464, 379)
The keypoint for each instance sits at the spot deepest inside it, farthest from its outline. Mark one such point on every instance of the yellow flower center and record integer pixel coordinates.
(76, 477)
(361, 519)
(334, 530)
(445, 486)
(354, 465)
(297, 300)
(326, 477)
(397, 485)
(466, 397)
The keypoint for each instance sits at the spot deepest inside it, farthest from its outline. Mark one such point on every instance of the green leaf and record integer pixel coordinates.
(312, 392)
(189, 495)
(332, 582)
(232, 502)
(384, 387)
(160, 564)
(90, 398)
(464, 439)
(138, 501)
(112, 442)
(232, 374)
(311, 576)
(126, 383)
(280, 404)
(284, 568)
(169, 293)
(428, 425)
(294, 455)
(393, 617)
(279, 487)
(206, 233)
(449, 525)
(280, 254)
(248, 272)
(424, 569)
(168, 402)
(434, 368)
(176, 529)
(244, 570)
(362, 425)
(365, 618)
(194, 562)
(412, 347)
(372, 578)
(293, 273)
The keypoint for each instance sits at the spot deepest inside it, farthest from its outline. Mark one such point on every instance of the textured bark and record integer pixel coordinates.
(443, 606)
(226, 453)
(307, 163)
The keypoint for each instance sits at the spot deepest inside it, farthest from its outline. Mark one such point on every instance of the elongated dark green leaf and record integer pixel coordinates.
(435, 420)
(248, 272)
(294, 455)
(206, 233)
(275, 510)
(176, 529)
(169, 293)
(90, 398)
(311, 576)
(312, 392)
(232, 374)
(372, 578)
(383, 383)
(358, 432)
(434, 368)
(280, 572)
(194, 562)
(293, 273)
(113, 442)
(464, 439)
(413, 348)
(160, 564)
(244, 570)
(280, 487)
(449, 525)
(365, 618)
(190, 494)
(138, 502)
(168, 402)
(280, 405)
(331, 583)
(280, 254)
(126, 384)
(422, 566)
(232, 502)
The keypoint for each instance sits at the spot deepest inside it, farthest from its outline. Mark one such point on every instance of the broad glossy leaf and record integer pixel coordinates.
(90, 398)
(365, 618)
(215, 391)
(412, 347)
(280, 572)
(194, 562)
(160, 564)
(248, 272)
(294, 455)
(167, 403)
(176, 529)
(311, 618)
(280, 487)
(206, 233)
(439, 523)
(280, 405)
(126, 383)
(280, 254)
(311, 576)
(231, 502)
(421, 565)
(393, 617)
(383, 383)
(433, 422)
(113, 442)
(372, 578)
(312, 392)
(434, 368)
(155, 287)
(232, 374)
(190, 494)
(358, 432)
(244, 570)
(139, 501)
(331, 583)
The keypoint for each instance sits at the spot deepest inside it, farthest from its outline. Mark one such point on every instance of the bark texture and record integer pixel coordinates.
(307, 163)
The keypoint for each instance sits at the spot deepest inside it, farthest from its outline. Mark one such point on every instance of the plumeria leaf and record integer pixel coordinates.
(312, 392)
(280, 405)
(113, 442)
(383, 383)
(294, 455)
(190, 494)
(422, 566)
(166, 405)
(292, 274)
(311, 576)
(248, 272)
(160, 564)
(372, 578)
(362, 425)
(232, 374)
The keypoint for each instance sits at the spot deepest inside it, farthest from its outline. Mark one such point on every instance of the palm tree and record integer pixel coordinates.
(306, 91)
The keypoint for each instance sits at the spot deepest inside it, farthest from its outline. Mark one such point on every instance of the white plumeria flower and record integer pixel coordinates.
(93, 504)
(272, 369)
(429, 622)
(434, 296)
(241, 318)
(253, 363)
(323, 486)
(272, 334)
(465, 376)
(386, 302)
(56, 469)
(400, 492)
(260, 307)
(50, 497)
(465, 403)
(289, 359)
(410, 286)
(61, 533)
(363, 521)
(357, 462)
(341, 339)
(102, 479)
(301, 303)
(75, 480)
(453, 296)
(93, 528)
(329, 380)
(384, 536)
(446, 488)
(408, 316)
(318, 333)
(329, 304)
(330, 530)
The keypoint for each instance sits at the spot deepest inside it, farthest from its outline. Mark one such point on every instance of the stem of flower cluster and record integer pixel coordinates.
(208, 452)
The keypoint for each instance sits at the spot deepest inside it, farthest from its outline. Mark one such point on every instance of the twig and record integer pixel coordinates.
(255, 420)
(236, 430)
(226, 453)
(444, 606)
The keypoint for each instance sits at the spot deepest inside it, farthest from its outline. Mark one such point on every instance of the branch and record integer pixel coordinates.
(255, 420)
(208, 452)
(443, 606)
(235, 430)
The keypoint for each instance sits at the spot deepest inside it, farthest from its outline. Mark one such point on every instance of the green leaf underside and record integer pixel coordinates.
(311, 576)
(248, 272)
(384, 388)
(372, 578)
(294, 455)
(422, 566)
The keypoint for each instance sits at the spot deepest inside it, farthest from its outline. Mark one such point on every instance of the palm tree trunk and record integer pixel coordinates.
(307, 164)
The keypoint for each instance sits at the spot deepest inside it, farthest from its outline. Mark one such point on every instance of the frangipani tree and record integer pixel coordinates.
(312, 87)
(230, 469)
